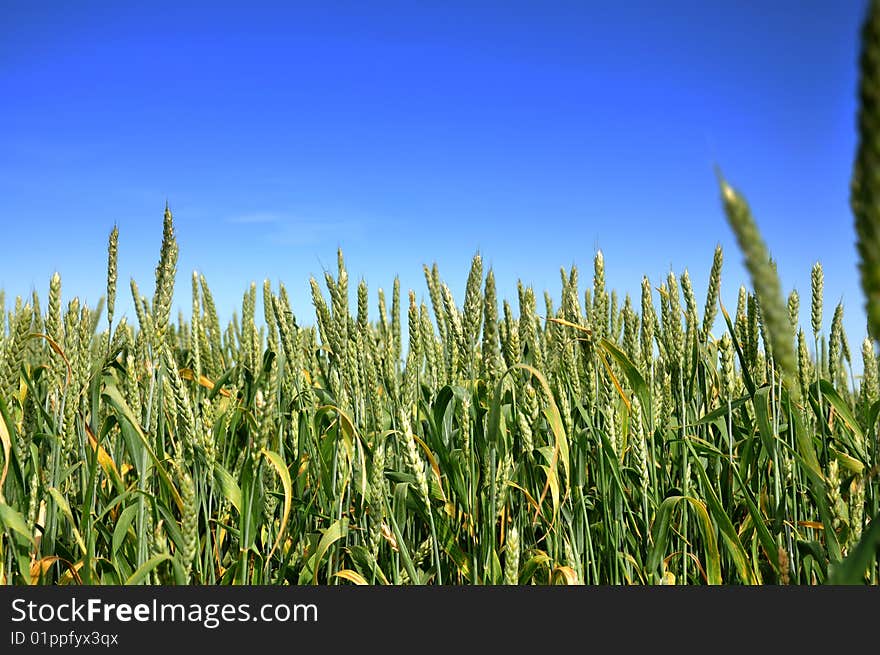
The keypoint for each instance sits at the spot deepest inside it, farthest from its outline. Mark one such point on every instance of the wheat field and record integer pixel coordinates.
(581, 437)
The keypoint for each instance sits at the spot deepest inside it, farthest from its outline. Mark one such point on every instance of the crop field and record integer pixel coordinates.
(578, 437)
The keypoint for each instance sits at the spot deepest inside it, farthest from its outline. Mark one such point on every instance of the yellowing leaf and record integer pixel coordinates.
(187, 374)
(351, 576)
(54, 346)
(564, 575)
(434, 467)
(279, 466)
(7, 450)
(40, 566)
(104, 458)
(71, 574)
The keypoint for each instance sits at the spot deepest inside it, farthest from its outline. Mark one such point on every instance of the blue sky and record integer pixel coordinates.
(408, 133)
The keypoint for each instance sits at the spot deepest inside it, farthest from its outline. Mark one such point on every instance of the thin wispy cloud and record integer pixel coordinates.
(256, 218)
(308, 232)
(282, 229)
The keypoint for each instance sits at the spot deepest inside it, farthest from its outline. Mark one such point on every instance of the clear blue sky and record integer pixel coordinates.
(408, 133)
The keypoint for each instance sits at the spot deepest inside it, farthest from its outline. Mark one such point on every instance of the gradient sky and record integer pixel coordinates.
(408, 133)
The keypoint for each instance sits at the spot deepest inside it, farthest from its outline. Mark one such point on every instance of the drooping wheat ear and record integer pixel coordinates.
(817, 284)
(870, 390)
(766, 284)
(511, 557)
(865, 185)
(713, 292)
(112, 254)
(165, 272)
(794, 310)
